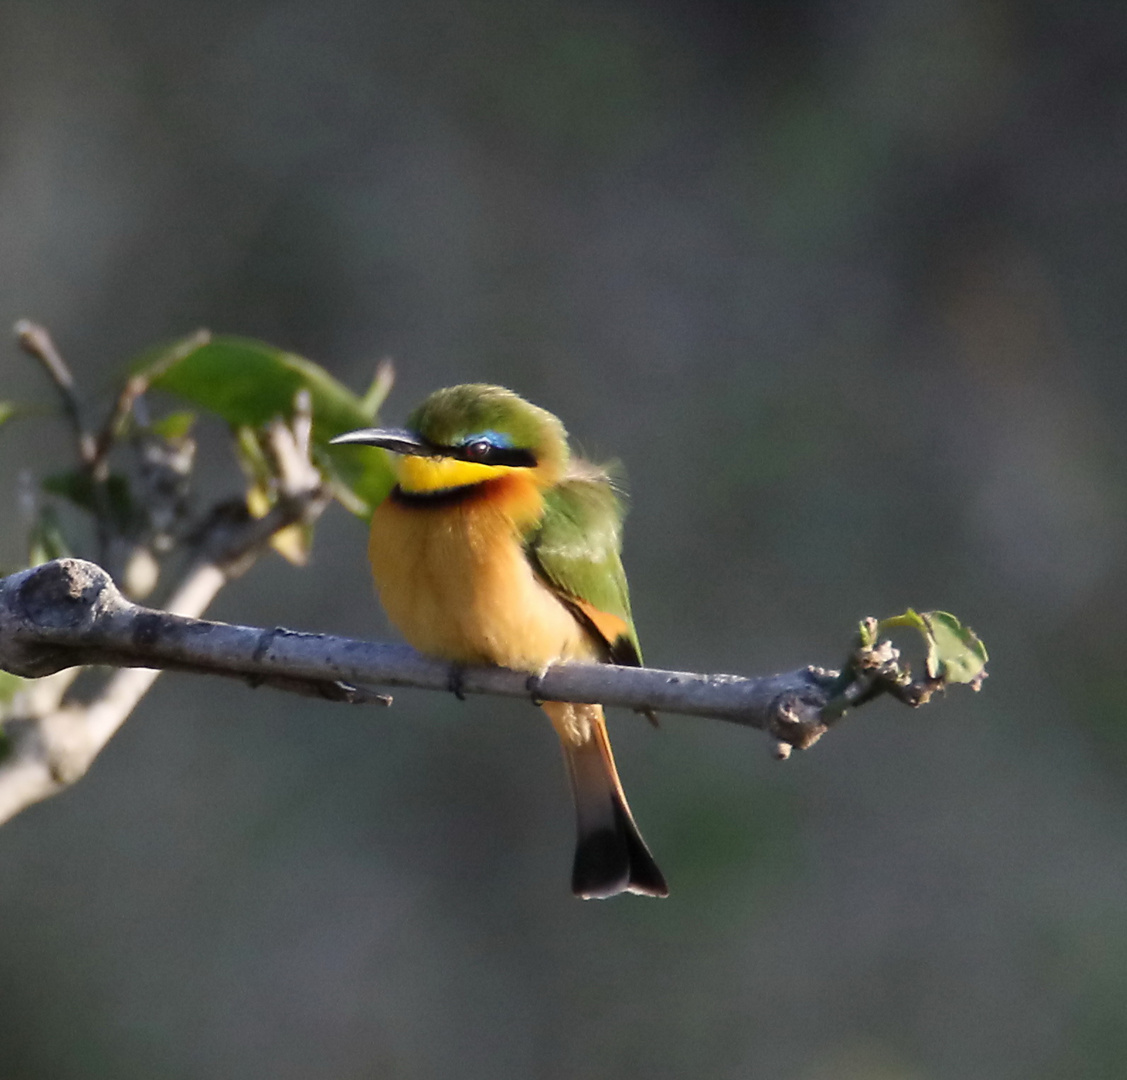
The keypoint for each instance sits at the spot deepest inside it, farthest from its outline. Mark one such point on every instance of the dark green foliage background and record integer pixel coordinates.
(842, 286)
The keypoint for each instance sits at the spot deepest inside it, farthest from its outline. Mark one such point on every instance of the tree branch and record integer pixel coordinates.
(69, 612)
(51, 743)
(49, 733)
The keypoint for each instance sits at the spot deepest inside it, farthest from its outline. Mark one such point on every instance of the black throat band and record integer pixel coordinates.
(440, 497)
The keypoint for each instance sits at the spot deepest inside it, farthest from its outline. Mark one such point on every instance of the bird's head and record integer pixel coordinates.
(469, 434)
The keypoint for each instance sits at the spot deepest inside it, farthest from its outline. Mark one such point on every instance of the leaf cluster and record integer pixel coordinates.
(133, 477)
(953, 655)
(249, 384)
(132, 480)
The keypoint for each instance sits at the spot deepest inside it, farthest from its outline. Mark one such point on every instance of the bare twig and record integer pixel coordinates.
(381, 386)
(288, 447)
(54, 743)
(70, 613)
(134, 387)
(36, 341)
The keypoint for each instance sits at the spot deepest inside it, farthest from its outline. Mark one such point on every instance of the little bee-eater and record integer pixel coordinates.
(498, 547)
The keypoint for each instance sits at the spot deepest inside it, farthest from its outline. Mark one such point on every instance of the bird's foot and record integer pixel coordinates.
(456, 681)
(532, 685)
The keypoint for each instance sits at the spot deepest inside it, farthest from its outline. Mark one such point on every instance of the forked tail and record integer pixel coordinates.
(610, 855)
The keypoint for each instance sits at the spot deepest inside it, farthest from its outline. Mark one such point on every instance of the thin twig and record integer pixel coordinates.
(288, 448)
(134, 387)
(381, 386)
(37, 342)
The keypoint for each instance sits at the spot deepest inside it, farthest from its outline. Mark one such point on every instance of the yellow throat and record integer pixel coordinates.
(418, 474)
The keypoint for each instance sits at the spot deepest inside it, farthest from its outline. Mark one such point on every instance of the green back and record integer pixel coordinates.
(576, 548)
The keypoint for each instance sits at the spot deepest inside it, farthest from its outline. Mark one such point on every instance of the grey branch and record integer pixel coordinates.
(69, 612)
(51, 740)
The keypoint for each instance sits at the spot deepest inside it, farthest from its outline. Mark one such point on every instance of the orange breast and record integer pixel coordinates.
(455, 581)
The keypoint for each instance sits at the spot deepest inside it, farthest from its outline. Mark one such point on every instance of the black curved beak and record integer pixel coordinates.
(397, 440)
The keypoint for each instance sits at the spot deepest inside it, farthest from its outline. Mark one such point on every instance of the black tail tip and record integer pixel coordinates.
(610, 862)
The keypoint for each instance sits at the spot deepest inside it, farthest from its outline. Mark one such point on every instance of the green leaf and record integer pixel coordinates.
(954, 652)
(8, 409)
(251, 456)
(248, 382)
(177, 425)
(910, 618)
(77, 486)
(867, 633)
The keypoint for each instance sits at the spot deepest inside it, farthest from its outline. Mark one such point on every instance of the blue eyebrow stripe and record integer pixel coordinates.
(494, 438)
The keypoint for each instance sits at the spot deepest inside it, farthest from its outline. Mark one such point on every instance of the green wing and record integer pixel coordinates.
(576, 550)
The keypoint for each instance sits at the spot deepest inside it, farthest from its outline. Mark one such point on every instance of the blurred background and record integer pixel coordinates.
(842, 285)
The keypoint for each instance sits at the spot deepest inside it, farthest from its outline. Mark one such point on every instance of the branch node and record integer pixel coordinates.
(796, 720)
(63, 593)
(265, 640)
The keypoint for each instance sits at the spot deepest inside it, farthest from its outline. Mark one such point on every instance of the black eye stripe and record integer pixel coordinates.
(485, 453)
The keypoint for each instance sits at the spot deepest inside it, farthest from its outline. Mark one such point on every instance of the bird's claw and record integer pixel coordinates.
(532, 685)
(456, 681)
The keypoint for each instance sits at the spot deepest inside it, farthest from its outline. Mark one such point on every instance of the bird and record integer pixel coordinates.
(497, 545)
